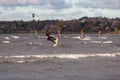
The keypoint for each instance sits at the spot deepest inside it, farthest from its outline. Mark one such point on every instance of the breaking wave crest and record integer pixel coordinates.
(35, 58)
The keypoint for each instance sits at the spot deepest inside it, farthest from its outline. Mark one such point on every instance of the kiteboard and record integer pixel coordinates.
(56, 42)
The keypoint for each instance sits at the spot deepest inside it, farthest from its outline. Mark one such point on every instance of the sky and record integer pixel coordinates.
(57, 9)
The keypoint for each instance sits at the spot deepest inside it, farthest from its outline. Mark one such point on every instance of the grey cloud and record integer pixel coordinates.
(103, 4)
(60, 4)
(18, 2)
(55, 4)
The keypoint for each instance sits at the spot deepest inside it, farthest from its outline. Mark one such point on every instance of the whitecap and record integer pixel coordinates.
(6, 42)
(85, 38)
(65, 56)
(7, 38)
(35, 43)
(95, 41)
(107, 42)
(78, 37)
(15, 37)
(34, 58)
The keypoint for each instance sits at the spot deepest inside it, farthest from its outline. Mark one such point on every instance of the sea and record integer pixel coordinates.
(24, 56)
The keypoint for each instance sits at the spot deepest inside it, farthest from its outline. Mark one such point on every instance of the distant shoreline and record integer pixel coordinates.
(41, 32)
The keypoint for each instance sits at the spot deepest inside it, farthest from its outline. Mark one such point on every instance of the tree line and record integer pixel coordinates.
(87, 24)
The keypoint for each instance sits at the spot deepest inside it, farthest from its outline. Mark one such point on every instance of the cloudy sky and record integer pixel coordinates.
(58, 9)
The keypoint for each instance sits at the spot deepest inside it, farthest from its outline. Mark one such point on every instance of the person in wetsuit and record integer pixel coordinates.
(49, 37)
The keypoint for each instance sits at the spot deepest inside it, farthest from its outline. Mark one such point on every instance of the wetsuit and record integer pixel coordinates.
(50, 38)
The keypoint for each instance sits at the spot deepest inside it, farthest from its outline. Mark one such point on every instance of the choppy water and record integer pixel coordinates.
(22, 47)
(22, 56)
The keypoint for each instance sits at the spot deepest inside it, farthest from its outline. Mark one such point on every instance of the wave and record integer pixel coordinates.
(7, 38)
(6, 42)
(35, 58)
(104, 42)
(15, 37)
(35, 43)
(79, 38)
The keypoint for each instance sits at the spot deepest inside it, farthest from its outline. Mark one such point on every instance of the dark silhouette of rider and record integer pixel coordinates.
(49, 37)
